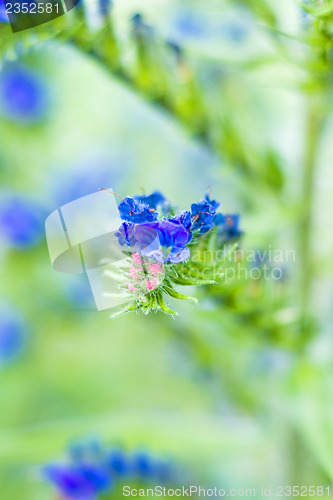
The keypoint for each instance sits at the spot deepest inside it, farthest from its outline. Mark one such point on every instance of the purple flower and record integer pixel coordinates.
(12, 334)
(21, 221)
(164, 241)
(202, 214)
(82, 481)
(134, 211)
(23, 94)
(185, 220)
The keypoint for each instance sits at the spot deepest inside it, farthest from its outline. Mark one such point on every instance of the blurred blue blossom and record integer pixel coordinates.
(3, 13)
(105, 7)
(93, 470)
(21, 221)
(12, 333)
(81, 481)
(23, 94)
(228, 226)
(189, 24)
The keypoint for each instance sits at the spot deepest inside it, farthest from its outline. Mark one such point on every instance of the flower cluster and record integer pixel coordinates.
(23, 94)
(158, 240)
(93, 470)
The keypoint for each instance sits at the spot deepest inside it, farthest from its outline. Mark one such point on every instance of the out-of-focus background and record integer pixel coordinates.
(216, 389)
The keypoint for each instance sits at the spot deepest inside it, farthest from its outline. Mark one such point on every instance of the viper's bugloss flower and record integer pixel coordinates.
(185, 220)
(163, 241)
(202, 214)
(23, 94)
(228, 226)
(215, 204)
(21, 221)
(13, 331)
(153, 200)
(81, 481)
(135, 211)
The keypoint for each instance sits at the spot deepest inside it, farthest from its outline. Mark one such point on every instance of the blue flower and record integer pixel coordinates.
(202, 214)
(153, 200)
(143, 465)
(23, 94)
(83, 481)
(134, 211)
(3, 13)
(228, 226)
(12, 334)
(21, 221)
(215, 204)
(185, 220)
(125, 234)
(164, 241)
(105, 7)
(118, 463)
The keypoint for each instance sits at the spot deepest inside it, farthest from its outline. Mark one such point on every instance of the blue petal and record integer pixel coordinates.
(178, 254)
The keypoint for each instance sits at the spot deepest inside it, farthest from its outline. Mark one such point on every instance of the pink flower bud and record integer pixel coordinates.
(151, 284)
(133, 272)
(155, 268)
(131, 288)
(136, 258)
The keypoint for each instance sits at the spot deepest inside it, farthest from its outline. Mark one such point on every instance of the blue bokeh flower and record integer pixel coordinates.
(82, 481)
(21, 221)
(228, 226)
(118, 463)
(3, 13)
(23, 94)
(94, 470)
(136, 212)
(13, 331)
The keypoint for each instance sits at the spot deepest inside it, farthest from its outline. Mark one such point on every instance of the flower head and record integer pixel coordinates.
(202, 214)
(23, 94)
(21, 221)
(136, 212)
(154, 200)
(185, 220)
(228, 226)
(164, 241)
